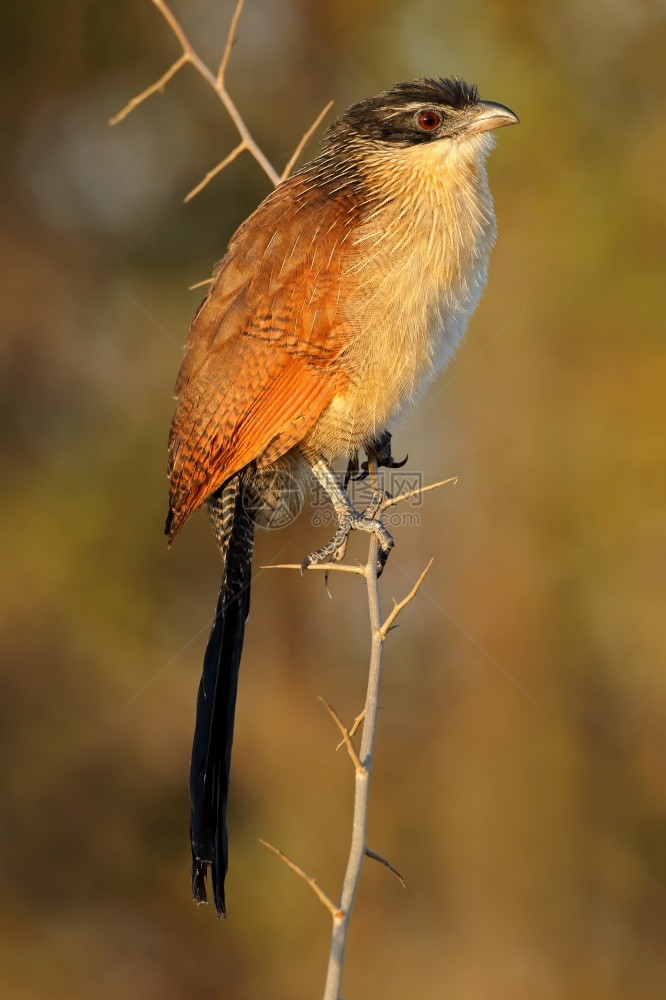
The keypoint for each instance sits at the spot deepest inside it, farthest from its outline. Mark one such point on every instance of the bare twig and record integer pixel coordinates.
(215, 81)
(305, 138)
(346, 738)
(384, 861)
(231, 38)
(154, 87)
(314, 885)
(216, 170)
(218, 84)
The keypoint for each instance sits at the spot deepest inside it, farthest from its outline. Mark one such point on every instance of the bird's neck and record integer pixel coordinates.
(425, 211)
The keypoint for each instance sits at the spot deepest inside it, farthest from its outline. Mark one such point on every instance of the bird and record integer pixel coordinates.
(338, 301)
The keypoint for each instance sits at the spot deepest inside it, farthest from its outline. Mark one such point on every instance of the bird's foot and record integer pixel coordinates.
(351, 520)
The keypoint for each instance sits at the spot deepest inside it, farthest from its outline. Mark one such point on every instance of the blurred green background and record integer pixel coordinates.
(531, 827)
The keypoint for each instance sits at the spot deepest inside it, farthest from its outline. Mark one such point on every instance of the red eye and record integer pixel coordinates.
(429, 120)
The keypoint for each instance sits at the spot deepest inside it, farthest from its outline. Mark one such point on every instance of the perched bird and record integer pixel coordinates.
(339, 299)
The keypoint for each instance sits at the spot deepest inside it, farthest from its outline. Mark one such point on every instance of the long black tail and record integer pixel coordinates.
(216, 701)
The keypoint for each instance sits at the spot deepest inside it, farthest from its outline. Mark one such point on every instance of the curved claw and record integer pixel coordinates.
(352, 467)
(387, 463)
(383, 557)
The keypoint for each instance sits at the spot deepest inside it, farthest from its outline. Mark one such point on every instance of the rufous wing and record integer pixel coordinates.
(265, 352)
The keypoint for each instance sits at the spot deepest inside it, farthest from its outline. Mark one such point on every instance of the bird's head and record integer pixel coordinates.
(446, 111)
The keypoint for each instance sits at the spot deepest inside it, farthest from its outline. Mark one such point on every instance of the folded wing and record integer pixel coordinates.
(265, 353)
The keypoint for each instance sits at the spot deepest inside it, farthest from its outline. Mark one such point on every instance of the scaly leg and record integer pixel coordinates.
(349, 520)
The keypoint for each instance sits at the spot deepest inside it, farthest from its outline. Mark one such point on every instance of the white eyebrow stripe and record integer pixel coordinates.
(415, 106)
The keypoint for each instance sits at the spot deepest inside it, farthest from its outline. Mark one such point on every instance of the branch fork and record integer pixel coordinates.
(216, 80)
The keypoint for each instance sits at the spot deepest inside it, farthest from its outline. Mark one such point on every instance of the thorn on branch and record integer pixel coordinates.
(384, 861)
(392, 501)
(327, 567)
(231, 38)
(346, 738)
(216, 170)
(353, 729)
(357, 722)
(334, 910)
(397, 607)
(305, 138)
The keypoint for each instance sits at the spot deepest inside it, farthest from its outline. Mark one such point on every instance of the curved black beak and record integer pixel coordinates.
(487, 115)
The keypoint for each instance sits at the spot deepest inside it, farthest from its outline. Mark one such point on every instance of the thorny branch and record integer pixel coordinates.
(361, 759)
(217, 82)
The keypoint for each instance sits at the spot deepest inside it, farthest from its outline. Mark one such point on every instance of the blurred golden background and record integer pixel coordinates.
(520, 771)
